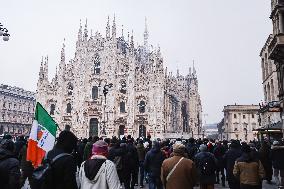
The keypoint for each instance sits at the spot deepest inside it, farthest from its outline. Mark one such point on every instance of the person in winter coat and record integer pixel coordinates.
(206, 167)
(141, 156)
(18, 146)
(132, 164)
(26, 166)
(64, 169)
(277, 154)
(266, 160)
(192, 148)
(184, 175)
(80, 148)
(248, 170)
(152, 164)
(229, 159)
(9, 166)
(88, 147)
(219, 152)
(98, 172)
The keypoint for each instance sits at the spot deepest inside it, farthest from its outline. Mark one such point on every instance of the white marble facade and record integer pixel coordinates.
(240, 122)
(144, 98)
(16, 110)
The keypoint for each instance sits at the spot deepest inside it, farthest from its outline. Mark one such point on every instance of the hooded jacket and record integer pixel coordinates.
(277, 154)
(248, 170)
(98, 172)
(9, 170)
(153, 161)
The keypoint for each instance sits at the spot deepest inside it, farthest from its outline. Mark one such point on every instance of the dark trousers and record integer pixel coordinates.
(155, 183)
(206, 186)
(130, 180)
(141, 169)
(220, 169)
(246, 186)
(233, 183)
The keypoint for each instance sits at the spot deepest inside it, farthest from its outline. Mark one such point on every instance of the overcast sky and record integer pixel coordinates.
(224, 37)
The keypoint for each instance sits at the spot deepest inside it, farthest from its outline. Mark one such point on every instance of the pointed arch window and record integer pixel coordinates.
(123, 87)
(95, 92)
(97, 64)
(70, 89)
(142, 105)
(122, 107)
(52, 109)
(68, 108)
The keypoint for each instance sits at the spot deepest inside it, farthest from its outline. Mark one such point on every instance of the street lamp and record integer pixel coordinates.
(246, 131)
(4, 33)
(105, 91)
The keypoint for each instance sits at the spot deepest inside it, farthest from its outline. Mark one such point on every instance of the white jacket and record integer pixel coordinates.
(106, 177)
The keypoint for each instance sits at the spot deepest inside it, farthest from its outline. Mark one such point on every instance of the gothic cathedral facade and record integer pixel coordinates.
(113, 88)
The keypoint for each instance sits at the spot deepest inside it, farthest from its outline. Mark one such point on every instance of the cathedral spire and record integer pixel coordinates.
(159, 51)
(146, 34)
(80, 32)
(122, 36)
(41, 74)
(113, 29)
(86, 31)
(132, 42)
(108, 29)
(63, 52)
(45, 68)
(56, 73)
(128, 37)
(193, 68)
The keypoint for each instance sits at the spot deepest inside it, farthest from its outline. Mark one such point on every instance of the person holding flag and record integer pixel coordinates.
(41, 146)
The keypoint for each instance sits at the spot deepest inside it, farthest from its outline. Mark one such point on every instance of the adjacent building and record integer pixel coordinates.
(275, 52)
(16, 110)
(270, 120)
(112, 88)
(240, 122)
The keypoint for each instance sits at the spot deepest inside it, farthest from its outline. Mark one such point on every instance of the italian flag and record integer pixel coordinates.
(42, 136)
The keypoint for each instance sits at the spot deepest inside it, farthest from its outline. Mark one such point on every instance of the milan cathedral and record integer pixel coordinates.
(112, 88)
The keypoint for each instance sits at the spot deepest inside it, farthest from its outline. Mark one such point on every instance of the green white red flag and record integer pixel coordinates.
(42, 136)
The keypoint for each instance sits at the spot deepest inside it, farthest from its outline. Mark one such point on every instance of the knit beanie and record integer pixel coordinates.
(100, 148)
(202, 147)
(179, 148)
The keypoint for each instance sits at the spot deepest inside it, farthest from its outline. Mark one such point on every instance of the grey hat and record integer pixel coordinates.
(275, 143)
(203, 148)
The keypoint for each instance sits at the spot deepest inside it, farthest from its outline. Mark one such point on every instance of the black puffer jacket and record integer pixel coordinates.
(277, 154)
(9, 170)
(153, 161)
(229, 159)
(64, 170)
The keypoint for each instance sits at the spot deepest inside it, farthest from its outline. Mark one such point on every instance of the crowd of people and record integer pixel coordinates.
(110, 163)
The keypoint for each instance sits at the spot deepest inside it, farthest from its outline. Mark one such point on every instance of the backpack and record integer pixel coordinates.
(118, 162)
(192, 151)
(4, 173)
(207, 165)
(42, 176)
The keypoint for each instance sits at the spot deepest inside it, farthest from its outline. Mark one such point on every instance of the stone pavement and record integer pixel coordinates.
(217, 186)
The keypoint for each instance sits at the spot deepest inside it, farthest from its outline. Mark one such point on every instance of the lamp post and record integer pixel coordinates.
(4, 33)
(246, 131)
(105, 91)
(268, 127)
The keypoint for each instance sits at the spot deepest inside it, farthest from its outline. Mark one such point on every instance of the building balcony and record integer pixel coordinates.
(276, 4)
(273, 106)
(276, 47)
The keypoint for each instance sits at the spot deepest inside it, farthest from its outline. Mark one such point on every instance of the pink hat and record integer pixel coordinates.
(100, 148)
